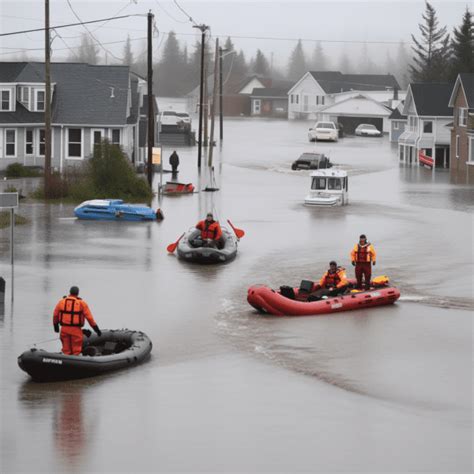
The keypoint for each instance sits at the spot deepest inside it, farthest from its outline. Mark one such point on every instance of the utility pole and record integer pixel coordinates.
(205, 108)
(214, 100)
(221, 111)
(151, 108)
(47, 105)
(203, 29)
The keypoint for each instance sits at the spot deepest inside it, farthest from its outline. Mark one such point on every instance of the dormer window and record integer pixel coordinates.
(5, 96)
(24, 96)
(39, 102)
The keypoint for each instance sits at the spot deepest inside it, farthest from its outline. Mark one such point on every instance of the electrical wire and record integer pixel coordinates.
(161, 7)
(185, 12)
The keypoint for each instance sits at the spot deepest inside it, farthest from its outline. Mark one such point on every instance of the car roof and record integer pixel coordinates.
(311, 156)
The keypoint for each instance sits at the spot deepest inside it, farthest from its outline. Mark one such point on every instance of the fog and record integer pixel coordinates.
(339, 25)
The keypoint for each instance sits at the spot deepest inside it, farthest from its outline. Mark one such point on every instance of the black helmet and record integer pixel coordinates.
(74, 291)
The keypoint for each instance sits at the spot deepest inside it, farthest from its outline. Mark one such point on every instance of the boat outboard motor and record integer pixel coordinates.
(159, 215)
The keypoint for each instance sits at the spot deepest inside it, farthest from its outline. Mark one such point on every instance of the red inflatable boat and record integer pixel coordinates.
(172, 187)
(266, 300)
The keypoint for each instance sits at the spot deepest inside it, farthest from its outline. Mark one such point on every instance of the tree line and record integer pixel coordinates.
(435, 56)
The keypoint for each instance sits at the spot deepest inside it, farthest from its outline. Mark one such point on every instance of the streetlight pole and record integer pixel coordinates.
(151, 108)
(221, 112)
(203, 29)
(47, 105)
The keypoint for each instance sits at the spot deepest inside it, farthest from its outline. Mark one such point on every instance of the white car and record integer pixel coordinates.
(323, 131)
(367, 130)
(169, 117)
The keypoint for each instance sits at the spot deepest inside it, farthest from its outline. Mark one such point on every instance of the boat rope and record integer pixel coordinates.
(34, 344)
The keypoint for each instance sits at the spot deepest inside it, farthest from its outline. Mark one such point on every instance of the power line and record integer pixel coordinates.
(169, 14)
(20, 32)
(185, 12)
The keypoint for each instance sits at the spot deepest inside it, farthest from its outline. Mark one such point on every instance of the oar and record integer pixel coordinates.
(172, 247)
(238, 232)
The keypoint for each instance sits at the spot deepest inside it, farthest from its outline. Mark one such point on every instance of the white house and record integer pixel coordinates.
(426, 138)
(318, 89)
(355, 110)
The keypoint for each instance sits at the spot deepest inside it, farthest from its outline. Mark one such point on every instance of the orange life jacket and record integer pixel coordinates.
(363, 253)
(334, 280)
(71, 312)
(209, 230)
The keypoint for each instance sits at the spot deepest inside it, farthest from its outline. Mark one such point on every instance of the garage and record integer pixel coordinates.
(349, 124)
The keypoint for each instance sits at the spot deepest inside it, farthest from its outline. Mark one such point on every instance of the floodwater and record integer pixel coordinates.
(226, 390)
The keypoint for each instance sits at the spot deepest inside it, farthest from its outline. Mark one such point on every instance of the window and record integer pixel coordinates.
(457, 146)
(74, 145)
(291, 98)
(10, 142)
(42, 142)
(322, 100)
(396, 125)
(402, 149)
(297, 99)
(116, 136)
(6, 100)
(29, 145)
(317, 100)
(24, 93)
(334, 183)
(470, 158)
(40, 101)
(96, 138)
(427, 126)
(318, 183)
(462, 117)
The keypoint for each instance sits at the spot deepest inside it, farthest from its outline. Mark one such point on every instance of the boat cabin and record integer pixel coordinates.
(329, 187)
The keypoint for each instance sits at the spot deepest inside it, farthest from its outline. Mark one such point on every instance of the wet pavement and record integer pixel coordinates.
(227, 390)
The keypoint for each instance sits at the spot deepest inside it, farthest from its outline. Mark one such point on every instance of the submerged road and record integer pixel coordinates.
(227, 390)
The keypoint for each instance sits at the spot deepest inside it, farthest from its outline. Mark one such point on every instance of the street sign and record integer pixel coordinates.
(156, 155)
(8, 200)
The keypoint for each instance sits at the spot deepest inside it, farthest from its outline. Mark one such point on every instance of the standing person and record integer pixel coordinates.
(174, 162)
(211, 231)
(363, 257)
(70, 313)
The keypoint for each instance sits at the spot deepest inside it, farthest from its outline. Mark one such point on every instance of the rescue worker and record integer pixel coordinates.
(332, 283)
(174, 162)
(70, 313)
(363, 256)
(211, 231)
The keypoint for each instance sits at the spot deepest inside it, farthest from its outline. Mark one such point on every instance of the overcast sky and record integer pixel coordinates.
(375, 21)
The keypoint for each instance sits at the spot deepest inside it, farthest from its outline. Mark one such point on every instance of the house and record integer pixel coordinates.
(462, 132)
(270, 101)
(88, 103)
(355, 110)
(318, 89)
(398, 123)
(426, 138)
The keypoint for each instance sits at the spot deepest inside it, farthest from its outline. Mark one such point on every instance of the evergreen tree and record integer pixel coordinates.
(345, 65)
(297, 63)
(462, 46)
(260, 64)
(319, 61)
(366, 65)
(88, 51)
(402, 63)
(127, 52)
(431, 51)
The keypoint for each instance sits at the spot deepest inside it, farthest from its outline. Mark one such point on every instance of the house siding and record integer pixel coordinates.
(396, 132)
(460, 170)
(302, 99)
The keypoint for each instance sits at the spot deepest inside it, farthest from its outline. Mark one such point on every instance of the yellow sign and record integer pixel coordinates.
(156, 155)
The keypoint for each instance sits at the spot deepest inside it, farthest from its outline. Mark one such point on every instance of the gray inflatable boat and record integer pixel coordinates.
(190, 251)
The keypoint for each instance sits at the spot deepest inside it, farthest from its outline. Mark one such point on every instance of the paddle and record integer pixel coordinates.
(238, 232)
(172, 247)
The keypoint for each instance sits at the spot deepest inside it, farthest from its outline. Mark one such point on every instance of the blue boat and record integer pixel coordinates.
(115, 210)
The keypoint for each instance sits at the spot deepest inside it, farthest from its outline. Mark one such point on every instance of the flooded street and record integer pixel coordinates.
(226, 389)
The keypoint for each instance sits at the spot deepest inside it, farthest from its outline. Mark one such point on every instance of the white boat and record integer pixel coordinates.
(329, 187)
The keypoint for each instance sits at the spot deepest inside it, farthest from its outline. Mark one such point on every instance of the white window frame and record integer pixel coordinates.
(9, 100)
(470, 151)
(257, 107)
(81, 157)
(457, 146)
(1, 142)
(396, 125)
(102, 135)
(6, 143)
(36, 100)
(462, 117)
(111, 134)
(32, 130)
(24, 102)
(38, 142)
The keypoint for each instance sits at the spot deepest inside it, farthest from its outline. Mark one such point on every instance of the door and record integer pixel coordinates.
(257, 107)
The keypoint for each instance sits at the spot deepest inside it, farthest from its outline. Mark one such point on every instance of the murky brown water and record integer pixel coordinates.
(387, 389)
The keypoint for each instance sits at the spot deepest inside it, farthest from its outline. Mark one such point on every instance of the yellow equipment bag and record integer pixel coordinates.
(380, 280)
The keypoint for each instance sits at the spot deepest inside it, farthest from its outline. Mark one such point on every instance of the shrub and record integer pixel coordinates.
(5, 219)
(17, 170)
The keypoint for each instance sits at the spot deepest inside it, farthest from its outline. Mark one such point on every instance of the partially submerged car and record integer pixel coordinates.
(311, 161)
(323, 131)
(367, 130)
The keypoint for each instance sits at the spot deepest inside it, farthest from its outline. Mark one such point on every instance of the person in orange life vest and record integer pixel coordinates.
(332, 283)
(70, 313)
(363, 256)
(211, 231)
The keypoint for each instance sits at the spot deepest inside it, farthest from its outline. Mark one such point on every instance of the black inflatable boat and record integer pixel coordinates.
(225, 251)
(113, 350)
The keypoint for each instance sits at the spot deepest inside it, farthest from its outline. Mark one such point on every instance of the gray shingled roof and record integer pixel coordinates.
(467, 80)
(82, 95)
(432, 98)
(397, 115)
(333, 82)
(270, 92)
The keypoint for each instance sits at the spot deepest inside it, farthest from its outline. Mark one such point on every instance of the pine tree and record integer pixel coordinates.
(431, 51)
(260, 64)
(366, 64)
(345, 65)
(319, 61)
(297, 63)
(88, 51)
(401, 72)
(171, 69)
(462, 46)
(127, 52)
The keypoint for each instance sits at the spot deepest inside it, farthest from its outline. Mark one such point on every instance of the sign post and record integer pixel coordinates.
(157, 160)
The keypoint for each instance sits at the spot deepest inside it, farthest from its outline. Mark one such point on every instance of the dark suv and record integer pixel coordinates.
(311, 161)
